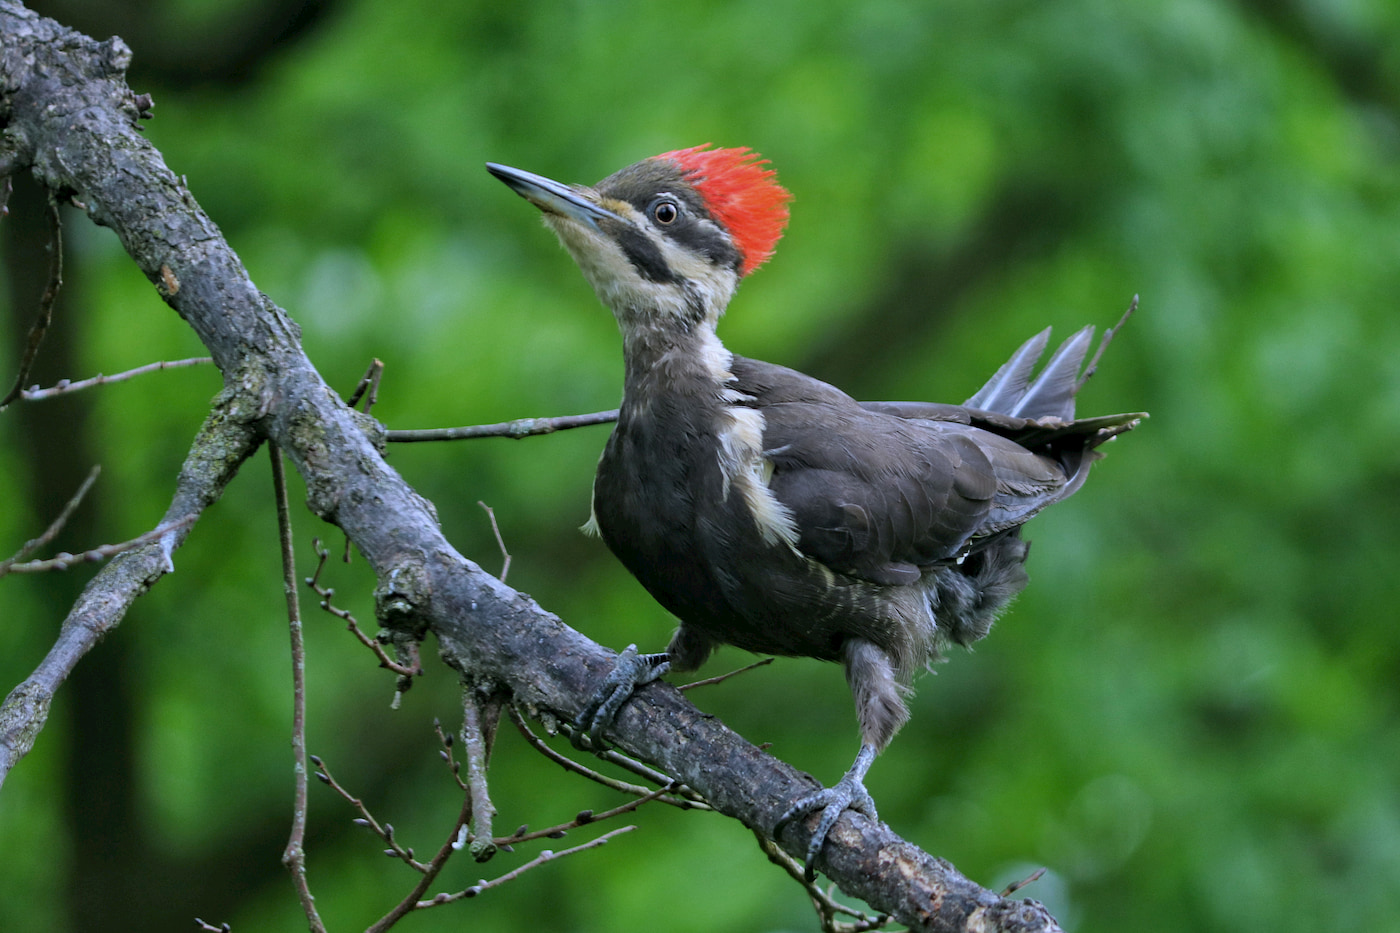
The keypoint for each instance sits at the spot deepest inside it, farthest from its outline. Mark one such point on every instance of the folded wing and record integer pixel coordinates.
(884, 490)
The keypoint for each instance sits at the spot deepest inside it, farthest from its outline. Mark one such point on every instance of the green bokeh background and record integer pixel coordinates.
(1189, 718)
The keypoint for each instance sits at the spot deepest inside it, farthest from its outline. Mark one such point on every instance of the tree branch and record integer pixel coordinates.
(72, 119)
(520, 427)
(222, 444)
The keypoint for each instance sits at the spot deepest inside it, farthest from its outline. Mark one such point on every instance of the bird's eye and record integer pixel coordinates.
(665, 211)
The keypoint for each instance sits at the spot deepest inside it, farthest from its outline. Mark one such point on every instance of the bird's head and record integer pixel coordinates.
(665, 241)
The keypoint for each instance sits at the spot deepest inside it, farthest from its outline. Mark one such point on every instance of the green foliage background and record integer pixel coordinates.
(1190, 718)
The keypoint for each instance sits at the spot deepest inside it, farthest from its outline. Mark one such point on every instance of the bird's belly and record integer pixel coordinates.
(707, 562)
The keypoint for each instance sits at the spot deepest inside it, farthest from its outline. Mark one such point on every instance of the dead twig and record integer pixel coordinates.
(369, 383)
(294, 855)
(40, 327)
(55, 526)
(827, 907)
(351, 625)
(677, 795)
(64, 386)
(1103, 344)
(384, 831)
(1015, 886)
(500, 543)
(583, 818)
(546, 856)
(65, 560)
(474, 731)
(720, 678)
(410, 901)
(459, 838)
(453, 764)
(522, 427)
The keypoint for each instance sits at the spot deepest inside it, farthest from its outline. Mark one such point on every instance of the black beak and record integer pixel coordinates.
(549, 195)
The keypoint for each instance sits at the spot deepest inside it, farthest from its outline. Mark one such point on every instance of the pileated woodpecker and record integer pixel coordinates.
(769, 510)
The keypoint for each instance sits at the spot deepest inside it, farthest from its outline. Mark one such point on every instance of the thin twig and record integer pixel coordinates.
(369, 382)
(500, 543)
(721, 678)
(373, 644)
(545, 856)
(64, 386)
(430, 871)
(522, 427)
(294, 856)
(691, 798)
(1015, 886)
(46, 303)
(1103, 344)
(688, 799)
(453, 764)
(206, 927)
(55, 526)
(584, 817)
(543, 747)
(827, 907)
(384, 831)
(65, 560)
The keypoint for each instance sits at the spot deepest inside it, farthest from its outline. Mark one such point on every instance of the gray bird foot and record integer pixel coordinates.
(847, 793)
(631, 671)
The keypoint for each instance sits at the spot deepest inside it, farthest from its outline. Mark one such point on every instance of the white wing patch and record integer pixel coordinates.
(746, 469)
(741, 459)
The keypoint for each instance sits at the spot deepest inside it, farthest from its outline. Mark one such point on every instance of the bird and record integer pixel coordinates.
(769, 510)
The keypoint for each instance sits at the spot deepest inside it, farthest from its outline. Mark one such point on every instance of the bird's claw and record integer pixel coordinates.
(631, 671)
(849, 793)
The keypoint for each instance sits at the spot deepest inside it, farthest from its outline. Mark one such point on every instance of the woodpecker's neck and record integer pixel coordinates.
(689, 366)
(682, 416)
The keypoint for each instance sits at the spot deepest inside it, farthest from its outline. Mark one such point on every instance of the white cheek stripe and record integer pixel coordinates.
(711, 284)
(618, 286)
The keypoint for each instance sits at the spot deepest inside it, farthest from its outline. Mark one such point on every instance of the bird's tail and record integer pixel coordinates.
(1048, 399)
(1011, 392)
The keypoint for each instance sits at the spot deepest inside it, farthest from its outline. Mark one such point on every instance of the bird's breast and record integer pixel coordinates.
(674, 466)
(682, 498)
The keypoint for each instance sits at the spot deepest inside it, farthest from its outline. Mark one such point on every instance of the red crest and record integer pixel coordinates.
(741, 194)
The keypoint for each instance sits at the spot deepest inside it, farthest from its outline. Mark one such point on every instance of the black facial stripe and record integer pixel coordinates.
(698, 236)
(645, 255)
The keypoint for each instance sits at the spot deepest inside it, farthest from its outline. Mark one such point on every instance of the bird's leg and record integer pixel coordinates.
(881, 710)
(847, 793)
(631, 671)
